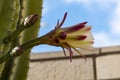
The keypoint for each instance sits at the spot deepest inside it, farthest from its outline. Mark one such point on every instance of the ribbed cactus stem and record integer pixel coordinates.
(8, 18)
(9, 11)
(29, 7)
(12, 13)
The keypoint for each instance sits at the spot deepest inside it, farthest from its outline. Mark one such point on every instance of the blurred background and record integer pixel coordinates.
(102, 15)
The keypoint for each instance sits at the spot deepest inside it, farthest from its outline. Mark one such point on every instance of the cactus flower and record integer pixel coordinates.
(71, 38)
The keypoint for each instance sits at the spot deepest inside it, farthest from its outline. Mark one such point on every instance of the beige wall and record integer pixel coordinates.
(101, 64)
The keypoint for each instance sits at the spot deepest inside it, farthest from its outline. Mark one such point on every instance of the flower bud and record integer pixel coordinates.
(16, 51)
(30, 20)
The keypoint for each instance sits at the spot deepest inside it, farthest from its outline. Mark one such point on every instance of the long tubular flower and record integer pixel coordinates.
(71, 38)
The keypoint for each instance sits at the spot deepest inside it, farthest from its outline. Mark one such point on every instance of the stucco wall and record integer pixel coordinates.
(102, 64)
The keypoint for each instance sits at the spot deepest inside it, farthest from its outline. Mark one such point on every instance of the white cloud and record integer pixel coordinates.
(102, 4)
(80, 1)
(91, 1)
(104, 39)
(115, 20)
(43, 24)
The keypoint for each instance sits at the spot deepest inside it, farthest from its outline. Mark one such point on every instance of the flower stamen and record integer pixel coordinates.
(64, 51)
(80, 53)
(60, 24)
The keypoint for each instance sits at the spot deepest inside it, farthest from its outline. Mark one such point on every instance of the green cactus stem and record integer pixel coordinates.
(9, 11)
(11, 17)
(21, 63)
(8, 18)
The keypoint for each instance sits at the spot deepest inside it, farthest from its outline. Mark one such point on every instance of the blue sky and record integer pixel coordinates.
(102, 15)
